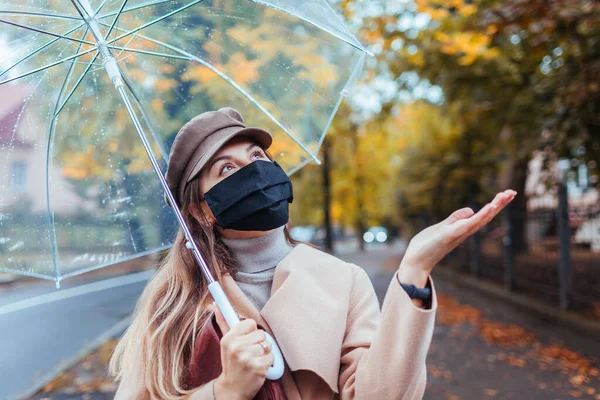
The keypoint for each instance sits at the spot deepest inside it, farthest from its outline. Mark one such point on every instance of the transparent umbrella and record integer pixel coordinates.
(92, 92)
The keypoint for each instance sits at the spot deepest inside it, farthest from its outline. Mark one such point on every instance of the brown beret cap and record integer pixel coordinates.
(198, 141)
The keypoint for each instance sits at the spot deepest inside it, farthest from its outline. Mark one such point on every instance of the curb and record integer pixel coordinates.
(536, 307)
(7, 280)
(64, 365)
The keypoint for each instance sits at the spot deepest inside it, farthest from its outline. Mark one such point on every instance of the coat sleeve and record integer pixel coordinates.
(383, 354)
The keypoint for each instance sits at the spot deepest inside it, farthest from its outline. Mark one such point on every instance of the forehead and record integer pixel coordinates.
(234, 145)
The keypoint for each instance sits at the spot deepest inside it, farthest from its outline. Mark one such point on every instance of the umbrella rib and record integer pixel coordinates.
(87, 68)
(59, 36)
(49, 65)
(68, 76)
(283, 10)
(163, 152)
(148, 4)
(154, 21)
(353, 76)
(299, 167)
(100, 8)
(232, 83)
(115, 20)
(49, 43)
(125, 46)
(51, 221)
(151, 53)
(36, 14)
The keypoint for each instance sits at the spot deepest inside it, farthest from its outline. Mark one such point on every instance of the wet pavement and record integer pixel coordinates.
(484, 349)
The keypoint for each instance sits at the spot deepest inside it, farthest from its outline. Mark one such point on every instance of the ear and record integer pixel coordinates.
(203, 214)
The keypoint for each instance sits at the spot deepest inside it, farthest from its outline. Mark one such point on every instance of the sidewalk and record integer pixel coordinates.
(485, 349)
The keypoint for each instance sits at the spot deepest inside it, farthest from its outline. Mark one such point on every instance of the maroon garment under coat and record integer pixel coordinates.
(205, 363)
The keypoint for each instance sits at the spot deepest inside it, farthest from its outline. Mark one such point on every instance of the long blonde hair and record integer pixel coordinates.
(174, 306)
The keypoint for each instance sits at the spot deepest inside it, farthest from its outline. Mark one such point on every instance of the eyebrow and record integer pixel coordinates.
(252, 145)
(226, 157)
(214, 161)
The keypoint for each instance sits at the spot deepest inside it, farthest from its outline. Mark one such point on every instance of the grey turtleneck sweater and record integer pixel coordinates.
(256, 260)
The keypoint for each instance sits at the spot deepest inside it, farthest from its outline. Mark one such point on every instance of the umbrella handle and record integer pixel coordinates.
(275, 371)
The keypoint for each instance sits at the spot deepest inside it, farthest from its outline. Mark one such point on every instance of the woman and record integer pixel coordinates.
(322, 311)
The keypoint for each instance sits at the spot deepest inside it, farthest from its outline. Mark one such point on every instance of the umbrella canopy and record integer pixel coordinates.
(77, 190)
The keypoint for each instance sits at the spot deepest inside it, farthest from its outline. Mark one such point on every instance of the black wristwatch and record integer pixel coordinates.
(417, 293)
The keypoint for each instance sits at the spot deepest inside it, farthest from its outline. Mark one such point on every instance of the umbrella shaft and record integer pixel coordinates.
(89, 16)
(110, 65)
(191, 244)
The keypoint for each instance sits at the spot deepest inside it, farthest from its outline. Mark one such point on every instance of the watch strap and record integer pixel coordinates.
(417, 293)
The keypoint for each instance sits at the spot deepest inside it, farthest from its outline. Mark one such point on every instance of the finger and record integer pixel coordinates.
(467, 226)
(244, 327)
(254, 337)
(262, 363)
(491, 209)
(264, 347)
(501, 201)
(486, 214)
(503, 198)
(221, 320)
(459, 214)
(257, 350)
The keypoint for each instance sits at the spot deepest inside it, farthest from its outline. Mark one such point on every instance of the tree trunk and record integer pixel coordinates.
(360, 217)
(515, 179)
(327, 197)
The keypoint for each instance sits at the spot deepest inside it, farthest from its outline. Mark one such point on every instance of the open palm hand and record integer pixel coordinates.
(432, 244)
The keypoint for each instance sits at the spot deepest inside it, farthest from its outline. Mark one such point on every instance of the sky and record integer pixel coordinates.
(367, 98)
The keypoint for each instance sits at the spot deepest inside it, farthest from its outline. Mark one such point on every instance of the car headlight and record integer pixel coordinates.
(368, 237)
(381, 237)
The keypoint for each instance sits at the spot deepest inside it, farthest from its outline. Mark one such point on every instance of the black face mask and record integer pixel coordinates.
(255, 198)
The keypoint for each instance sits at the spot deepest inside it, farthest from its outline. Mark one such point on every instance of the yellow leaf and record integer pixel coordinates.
(199, 73)
(113, 145)
(450, 48)
(157, 105)
(166, 68)
(442, 36)
(417, 59)
(467, 59)
(162, 85)
(438, 14)
(241, 70)
(467, 10)
(491, 53)
(491, 29)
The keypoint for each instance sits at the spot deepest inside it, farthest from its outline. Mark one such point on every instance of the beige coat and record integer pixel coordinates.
(324, 314)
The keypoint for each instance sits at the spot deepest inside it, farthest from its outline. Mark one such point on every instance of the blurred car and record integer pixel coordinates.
(376, 234)
(303, 233)
(316, 234)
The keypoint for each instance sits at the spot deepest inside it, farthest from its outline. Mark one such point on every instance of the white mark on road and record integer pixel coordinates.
(77, 291)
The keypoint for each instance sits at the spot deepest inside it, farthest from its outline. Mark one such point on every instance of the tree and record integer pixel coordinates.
(507, 69)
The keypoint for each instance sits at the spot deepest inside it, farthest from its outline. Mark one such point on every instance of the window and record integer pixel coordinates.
(17, 182)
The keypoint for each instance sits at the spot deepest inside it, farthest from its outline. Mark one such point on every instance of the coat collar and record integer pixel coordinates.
(303, 314)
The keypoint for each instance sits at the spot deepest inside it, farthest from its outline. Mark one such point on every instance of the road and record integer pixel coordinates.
(36, 336)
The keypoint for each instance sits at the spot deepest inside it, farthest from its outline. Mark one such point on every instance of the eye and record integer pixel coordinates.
(256, 154)
(225, 169)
